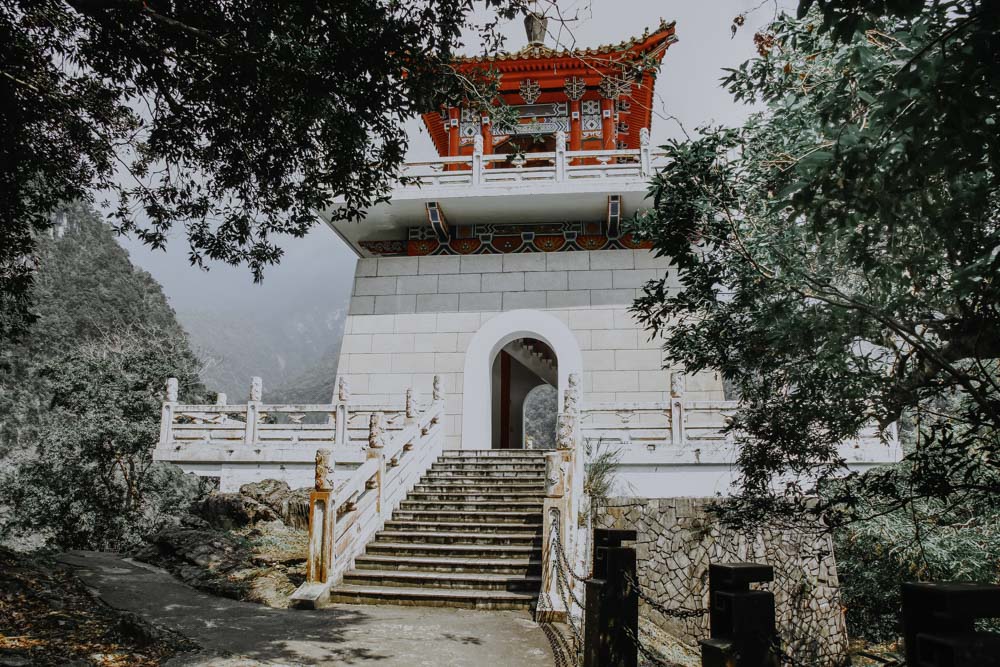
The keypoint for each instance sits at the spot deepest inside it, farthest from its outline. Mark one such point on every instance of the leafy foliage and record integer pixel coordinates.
(930, 542)
(91, 482)
(837, 255)
(85, 289)
(79, 395)
(236, 119)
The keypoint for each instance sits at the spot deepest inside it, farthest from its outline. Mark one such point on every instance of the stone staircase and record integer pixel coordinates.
(469, 534)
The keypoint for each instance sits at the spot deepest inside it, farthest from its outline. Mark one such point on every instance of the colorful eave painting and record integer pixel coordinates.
(551, 69)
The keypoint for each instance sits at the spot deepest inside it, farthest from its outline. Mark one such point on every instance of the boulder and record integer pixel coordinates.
(232, 510)
(270, 492)
(295, 509)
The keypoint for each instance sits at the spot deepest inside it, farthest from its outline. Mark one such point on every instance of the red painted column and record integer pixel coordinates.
(607, 124)
(575, 127)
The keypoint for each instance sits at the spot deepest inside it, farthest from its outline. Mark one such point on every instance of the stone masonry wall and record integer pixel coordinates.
(677, 539)
(412, 318)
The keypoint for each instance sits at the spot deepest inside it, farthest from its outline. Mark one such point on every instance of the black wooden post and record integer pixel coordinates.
(611, 617)
(939, 624)
(742, 628)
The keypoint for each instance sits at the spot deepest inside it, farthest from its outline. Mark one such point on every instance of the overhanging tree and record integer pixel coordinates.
(839, 254)
(234, 119)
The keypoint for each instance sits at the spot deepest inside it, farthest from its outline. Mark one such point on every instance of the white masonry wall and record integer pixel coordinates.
(413, 317)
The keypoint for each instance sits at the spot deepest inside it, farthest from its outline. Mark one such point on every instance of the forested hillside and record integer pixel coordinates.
(79, 393)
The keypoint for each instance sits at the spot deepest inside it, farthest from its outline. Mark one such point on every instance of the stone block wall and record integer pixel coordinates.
(413, 317)
(678, 538)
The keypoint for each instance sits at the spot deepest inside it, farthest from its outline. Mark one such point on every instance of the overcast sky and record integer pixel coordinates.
(687, 88)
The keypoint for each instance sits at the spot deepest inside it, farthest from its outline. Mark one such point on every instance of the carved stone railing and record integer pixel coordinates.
(343, 520)
(255, 440)
(557, 166)
(683, 432)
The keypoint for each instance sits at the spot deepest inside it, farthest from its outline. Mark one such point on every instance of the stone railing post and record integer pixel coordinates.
(560, 156)
(438, 392)
(167, 412)
(412, 411)
(477, 159)
(253, 410)
(376, 442)
(554, 522)
(645, 164)
(322, 536)
(221, 400)
(343, 397)
(677, 386)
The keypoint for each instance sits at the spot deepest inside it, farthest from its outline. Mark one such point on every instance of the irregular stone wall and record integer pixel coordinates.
(678, 538)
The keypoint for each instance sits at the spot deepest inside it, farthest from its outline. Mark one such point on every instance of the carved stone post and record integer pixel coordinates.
(677, 383)
(343, 398)
(554, 524)
(645, 165)
(221, 400)
(477, 159)
(315, 592)
(438, 394)
(376, 441)
(411, 406)
(560, 156)
(253, 410)
(167, 412)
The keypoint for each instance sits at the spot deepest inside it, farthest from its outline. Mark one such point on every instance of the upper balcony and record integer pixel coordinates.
(531, 188)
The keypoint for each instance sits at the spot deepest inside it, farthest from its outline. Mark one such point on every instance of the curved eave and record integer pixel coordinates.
(551, 68)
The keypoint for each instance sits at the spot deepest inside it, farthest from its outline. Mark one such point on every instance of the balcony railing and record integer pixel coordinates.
(557, 166)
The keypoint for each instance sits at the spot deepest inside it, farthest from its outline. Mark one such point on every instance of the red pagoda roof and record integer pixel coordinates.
(550, 68)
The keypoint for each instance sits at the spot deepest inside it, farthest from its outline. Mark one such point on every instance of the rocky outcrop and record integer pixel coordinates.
(249, 545)
(267, 500)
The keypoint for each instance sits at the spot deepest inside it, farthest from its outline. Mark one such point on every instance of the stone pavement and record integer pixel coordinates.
(238, 634)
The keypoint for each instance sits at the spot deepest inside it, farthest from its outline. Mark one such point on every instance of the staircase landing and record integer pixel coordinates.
(468, 535)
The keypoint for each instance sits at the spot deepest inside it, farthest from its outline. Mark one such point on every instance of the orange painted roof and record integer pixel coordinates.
(551, 67)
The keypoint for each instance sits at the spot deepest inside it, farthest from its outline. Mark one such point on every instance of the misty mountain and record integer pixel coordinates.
(291, 348)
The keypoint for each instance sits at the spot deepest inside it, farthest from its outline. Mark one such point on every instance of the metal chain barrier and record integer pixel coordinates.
(564, 588)
(672, 613)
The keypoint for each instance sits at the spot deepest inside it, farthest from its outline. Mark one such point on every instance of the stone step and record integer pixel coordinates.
(475, 495)
(520, 566)
(459, 487)
(492, 460)
(492, 453)
(483, 581)
(490, 551)
(472, 506)
(499, 475)
(430, 597)
(455, 537)
(519, 517)
(536, 468)
(465, 526)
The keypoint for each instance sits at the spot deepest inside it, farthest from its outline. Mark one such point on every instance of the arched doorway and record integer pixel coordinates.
(483, 349)
(520, 367)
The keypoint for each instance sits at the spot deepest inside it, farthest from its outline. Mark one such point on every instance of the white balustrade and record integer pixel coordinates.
(481, 169)
(357, 509)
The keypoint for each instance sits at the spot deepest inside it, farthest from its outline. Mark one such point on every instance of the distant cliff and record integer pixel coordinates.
(293, 347)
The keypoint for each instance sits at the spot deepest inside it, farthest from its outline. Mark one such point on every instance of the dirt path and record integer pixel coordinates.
(236, 633)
